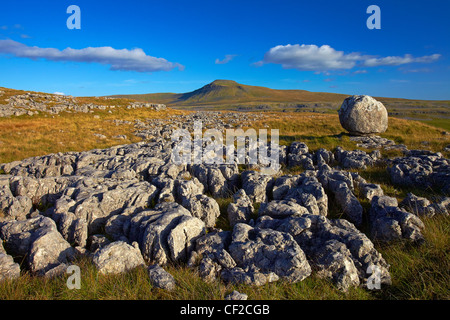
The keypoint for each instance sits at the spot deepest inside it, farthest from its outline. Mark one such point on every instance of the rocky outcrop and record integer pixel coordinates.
(356, 159)
(290, 248)
(340, 185)
(389, 222)
(422, 169)
(377, 142)
(35, 103)
(299, 156)
(304, 189)
(165, 233)
(219, 180)
(338, 250)
(39, 241)
(256, 185)
(265, 253)
(418, 205)
(86, 211)
(236, 295)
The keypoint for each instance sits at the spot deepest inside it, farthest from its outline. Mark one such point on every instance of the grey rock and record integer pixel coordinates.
(236, 295)
(118, 257)
(418, 205)
(39, 241)
(166, 188)
(347, 201)
(421, 169)
(282, 209)
(97, 241)
(362, 115)
(8, 268)
(356, 159)
(366, 190)
(100, 136)
(256, 185)
(168, 232)
(247, 276)
(442, 206)
(211, 248)
(14, 208)
(58, 271)
(363, 253)
(299, 156)
(160, 278)
(334, 261)
(185, 189)
(78, 219)
(204, 208)
(208, 269)
(389, 222)
(340, 184)
(303, 189)
(326, 156)
(241, 209)
(377, 142)
(269, 251)
(181, 239)
(294, 225)
(218, 180)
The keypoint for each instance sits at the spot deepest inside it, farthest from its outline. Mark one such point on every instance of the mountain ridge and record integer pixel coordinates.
(229, 94)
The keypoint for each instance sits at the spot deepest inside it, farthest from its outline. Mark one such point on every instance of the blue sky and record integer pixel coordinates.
(178, 46)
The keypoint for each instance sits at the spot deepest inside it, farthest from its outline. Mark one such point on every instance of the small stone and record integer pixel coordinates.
(160, 278)
(236, 295)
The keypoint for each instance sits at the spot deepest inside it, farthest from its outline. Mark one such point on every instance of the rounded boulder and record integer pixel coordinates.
(363, 115)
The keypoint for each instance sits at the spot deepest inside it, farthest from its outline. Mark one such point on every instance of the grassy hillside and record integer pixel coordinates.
(223, 92)
(230, 95)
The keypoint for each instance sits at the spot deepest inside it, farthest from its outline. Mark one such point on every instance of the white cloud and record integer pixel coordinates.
(118, 59)
(59, 93)
(396, 61)
(227, 59)
(325, 58)
(310, 57)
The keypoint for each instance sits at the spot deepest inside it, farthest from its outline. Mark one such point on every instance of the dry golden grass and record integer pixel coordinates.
(29, 136)
(324, 131)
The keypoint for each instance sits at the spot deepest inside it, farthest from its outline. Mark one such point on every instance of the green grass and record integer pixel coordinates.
(420, 272)
(439, 123)
(135, 285)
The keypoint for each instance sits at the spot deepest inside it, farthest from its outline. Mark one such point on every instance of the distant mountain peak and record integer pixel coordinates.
(230, 92)
(221, 82)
